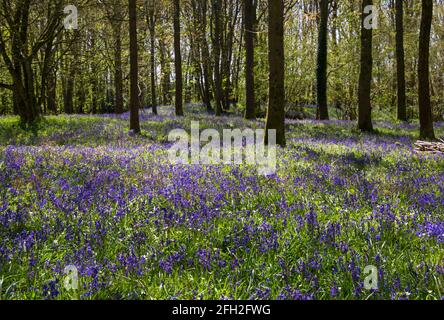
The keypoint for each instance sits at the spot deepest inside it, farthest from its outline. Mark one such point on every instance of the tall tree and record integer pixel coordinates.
(321, 71)
(365, 76)
(151, 19)
(217, 55)
(70, 72)
(205, 55)
(118, 78)
(115, 15)
(425, 108)
(178, 60)
(400, 61)
(249, 21)
(134, 72)
(276, 92)
(19, 49)
(232, 9)
(165, 71)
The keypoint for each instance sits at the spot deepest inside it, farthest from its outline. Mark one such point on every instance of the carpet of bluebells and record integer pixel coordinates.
(82, 191)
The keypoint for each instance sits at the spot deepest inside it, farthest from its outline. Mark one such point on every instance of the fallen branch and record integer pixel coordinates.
(432, 147)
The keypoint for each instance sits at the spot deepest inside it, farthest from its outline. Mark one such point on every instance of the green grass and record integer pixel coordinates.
(79, 190)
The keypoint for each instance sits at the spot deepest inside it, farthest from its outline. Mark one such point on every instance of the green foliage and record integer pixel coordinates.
(256, 241)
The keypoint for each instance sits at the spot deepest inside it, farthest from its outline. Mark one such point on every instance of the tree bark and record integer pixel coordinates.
(178, 60)
(425, 108)
(68, 97)
(134, 88)
(321, 71)
(217, 56)
(118, 78)
(276, 94)
(249, 20)
(365, 76)
(400, 61)
(152, 30)
(206, 57)
(52, 97)
(165, 72)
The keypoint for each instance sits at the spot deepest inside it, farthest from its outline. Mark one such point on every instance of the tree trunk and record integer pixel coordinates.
(23, 76)
(217, 57)
(206, 57)
(232, 8)
(81, 98)
(68, 97)
(52, 97)
(134, 88)
(152, 29)
(94, 80)
(15, 102)
(425, 108)
(118, 78)
(153, 73)
(400, 61)
(71, 69)
(165, 72)
(321, 71)
(365, 76)
(276, 94)
(249, 20)
(178, 60)
(188, 77)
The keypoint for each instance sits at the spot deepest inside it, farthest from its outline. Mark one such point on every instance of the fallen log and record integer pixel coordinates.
(432, 147)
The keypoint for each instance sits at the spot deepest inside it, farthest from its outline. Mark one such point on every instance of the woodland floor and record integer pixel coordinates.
(78, 190)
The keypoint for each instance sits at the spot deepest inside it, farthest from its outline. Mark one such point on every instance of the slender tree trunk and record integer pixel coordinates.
(45, 72)
(237, 66)
(365, 76)
(425, 108)
(68, 97)
(400, 61)
(217, 56)
(178, 60)
(118, 78)
(206, 57)
(165, 72)
(52, 97)
(321, 71)
(70, 82)
(152, 29)
(95, 93)
(134, 88)
(334, 28)
(17, 68)
(15, 102)
(276, 94)
(153, 74)
(203, 58)
(227, 52)
(188, 77)
(81, 98)
(249, 19)
(206, 76)
(31, 111)
(94, 79)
